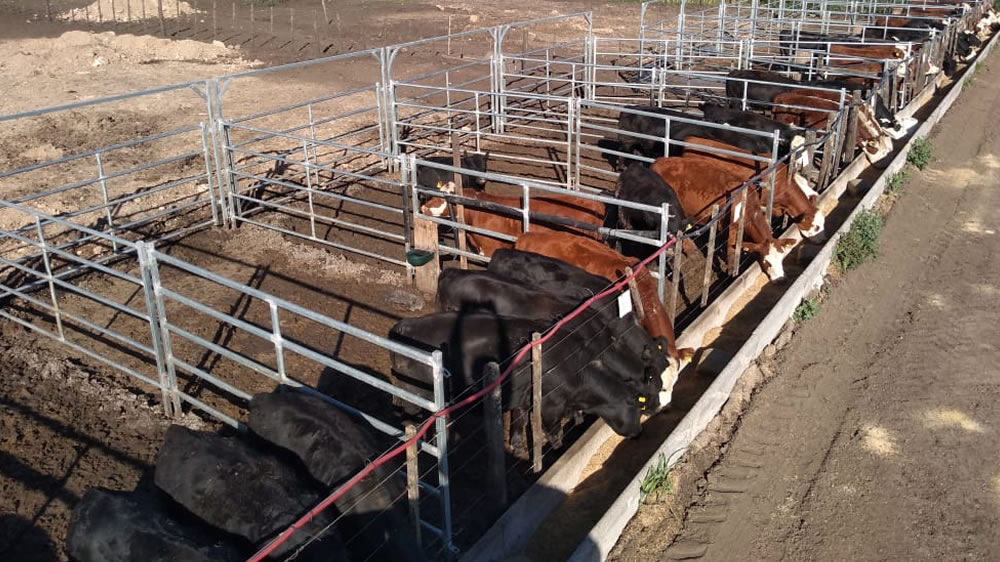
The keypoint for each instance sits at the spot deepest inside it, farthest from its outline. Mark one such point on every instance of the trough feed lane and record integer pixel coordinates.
(872, 441)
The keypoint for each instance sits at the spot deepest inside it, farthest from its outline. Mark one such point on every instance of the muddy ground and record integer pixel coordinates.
(868, 435)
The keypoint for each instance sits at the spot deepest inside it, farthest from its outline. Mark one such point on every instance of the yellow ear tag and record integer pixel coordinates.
(659, 347)
(688, 227)
(440, 185)
(642, 399)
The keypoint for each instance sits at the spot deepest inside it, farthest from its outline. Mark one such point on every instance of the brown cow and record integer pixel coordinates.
(792, 195)
(598, 259)
(869, 51)
(905, 123)
(871, 137)
(703, 182)
(586, 211)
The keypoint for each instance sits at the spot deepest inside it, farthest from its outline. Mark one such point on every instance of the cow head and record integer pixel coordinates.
(812, 222)
(771, 255)
(438, 206)
(668, 378)
(873, 139)
(903, 127)
(900, 71)
(475, 162)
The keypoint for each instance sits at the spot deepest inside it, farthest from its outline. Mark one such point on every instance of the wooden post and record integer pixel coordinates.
(114, 16)
(425, 237)
(633, 290)
(100, 13)
(826, 162)
(537, 435)
(709, 255)
(326, 16)
(271, 15)
(128, 10)
(251, 23)
(456, 161)
(493, 417)
(852, 133)
(143, 11)
(524, 46)
(678, 253)
(413, 482)
(163, 23)
(86, 12)
(234, 16)
(215, 27)
(48, 10)
(734, 260)
(291, 20)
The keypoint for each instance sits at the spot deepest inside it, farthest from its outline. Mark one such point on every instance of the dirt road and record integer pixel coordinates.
(875, 439)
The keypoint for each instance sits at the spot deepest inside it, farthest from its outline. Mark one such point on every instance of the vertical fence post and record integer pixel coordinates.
(319, 46)
(48, 276)
(159, 328)
(537, 434)
(234, 16)
(661, 266)
(48, 10)
(441, 440)
(251, 23)
(309, 188)
(100, 13)
(810, 149)
(709, 255)
(676, 273)
(279, 348)
(413, 481)
(456, 161)
(215, 26)
(208, 168)
(114, 16)
(525, 208)
(270, 10)
(852, 129)
(104, 195)
(774, 175)
(326, 16)
(497, 471)
(163, 23)
(739, 204)
(291, 20)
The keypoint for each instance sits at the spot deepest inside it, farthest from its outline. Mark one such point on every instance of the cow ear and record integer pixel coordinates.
(486, 155)
(465, 153)
(814, 199)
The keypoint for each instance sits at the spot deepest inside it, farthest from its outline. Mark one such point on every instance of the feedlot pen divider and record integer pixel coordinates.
(235, 166)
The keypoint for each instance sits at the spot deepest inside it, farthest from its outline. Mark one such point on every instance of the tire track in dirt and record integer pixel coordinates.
(841, 454)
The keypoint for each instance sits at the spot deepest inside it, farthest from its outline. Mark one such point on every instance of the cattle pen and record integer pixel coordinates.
(203, 257)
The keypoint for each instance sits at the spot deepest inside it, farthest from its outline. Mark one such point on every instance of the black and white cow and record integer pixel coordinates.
(112, 526)
(333, 446)
(243, 490)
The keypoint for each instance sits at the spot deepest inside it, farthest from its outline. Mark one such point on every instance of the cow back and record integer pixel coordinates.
(468, 290)
(230, 485)
(546, 273)
(110, 526)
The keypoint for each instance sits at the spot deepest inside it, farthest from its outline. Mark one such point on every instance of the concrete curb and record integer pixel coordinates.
(607, 531)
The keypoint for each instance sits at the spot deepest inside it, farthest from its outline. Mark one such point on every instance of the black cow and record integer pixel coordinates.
(432, 178)
(243, 490)
(656, 127)
(639, 184)
(789, 137)
(577, 354)
(110, 526)
(467, 290)
(333, 446)
(546, 274)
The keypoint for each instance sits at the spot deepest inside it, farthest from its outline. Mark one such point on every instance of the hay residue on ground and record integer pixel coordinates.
(127, 10)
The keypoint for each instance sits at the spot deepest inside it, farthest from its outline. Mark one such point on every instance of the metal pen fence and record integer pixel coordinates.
(345, 162)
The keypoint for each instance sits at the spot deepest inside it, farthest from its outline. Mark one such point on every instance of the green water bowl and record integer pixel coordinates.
(417, 258)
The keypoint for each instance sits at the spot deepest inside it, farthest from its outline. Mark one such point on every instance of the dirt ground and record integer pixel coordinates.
(868, 435)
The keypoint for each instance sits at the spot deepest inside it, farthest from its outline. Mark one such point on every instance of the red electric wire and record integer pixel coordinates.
(425, 427)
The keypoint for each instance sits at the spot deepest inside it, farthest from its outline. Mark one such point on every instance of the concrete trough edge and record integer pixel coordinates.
(608, 529)
(511, 532)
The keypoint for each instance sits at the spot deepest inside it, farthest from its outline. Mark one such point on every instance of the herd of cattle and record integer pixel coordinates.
(486, 316)
(220, 497)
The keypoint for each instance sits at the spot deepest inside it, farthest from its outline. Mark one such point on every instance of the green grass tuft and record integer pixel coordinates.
(896, 181)
(807, 310)
(920, 153)
(657, 481)
(860, 244)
